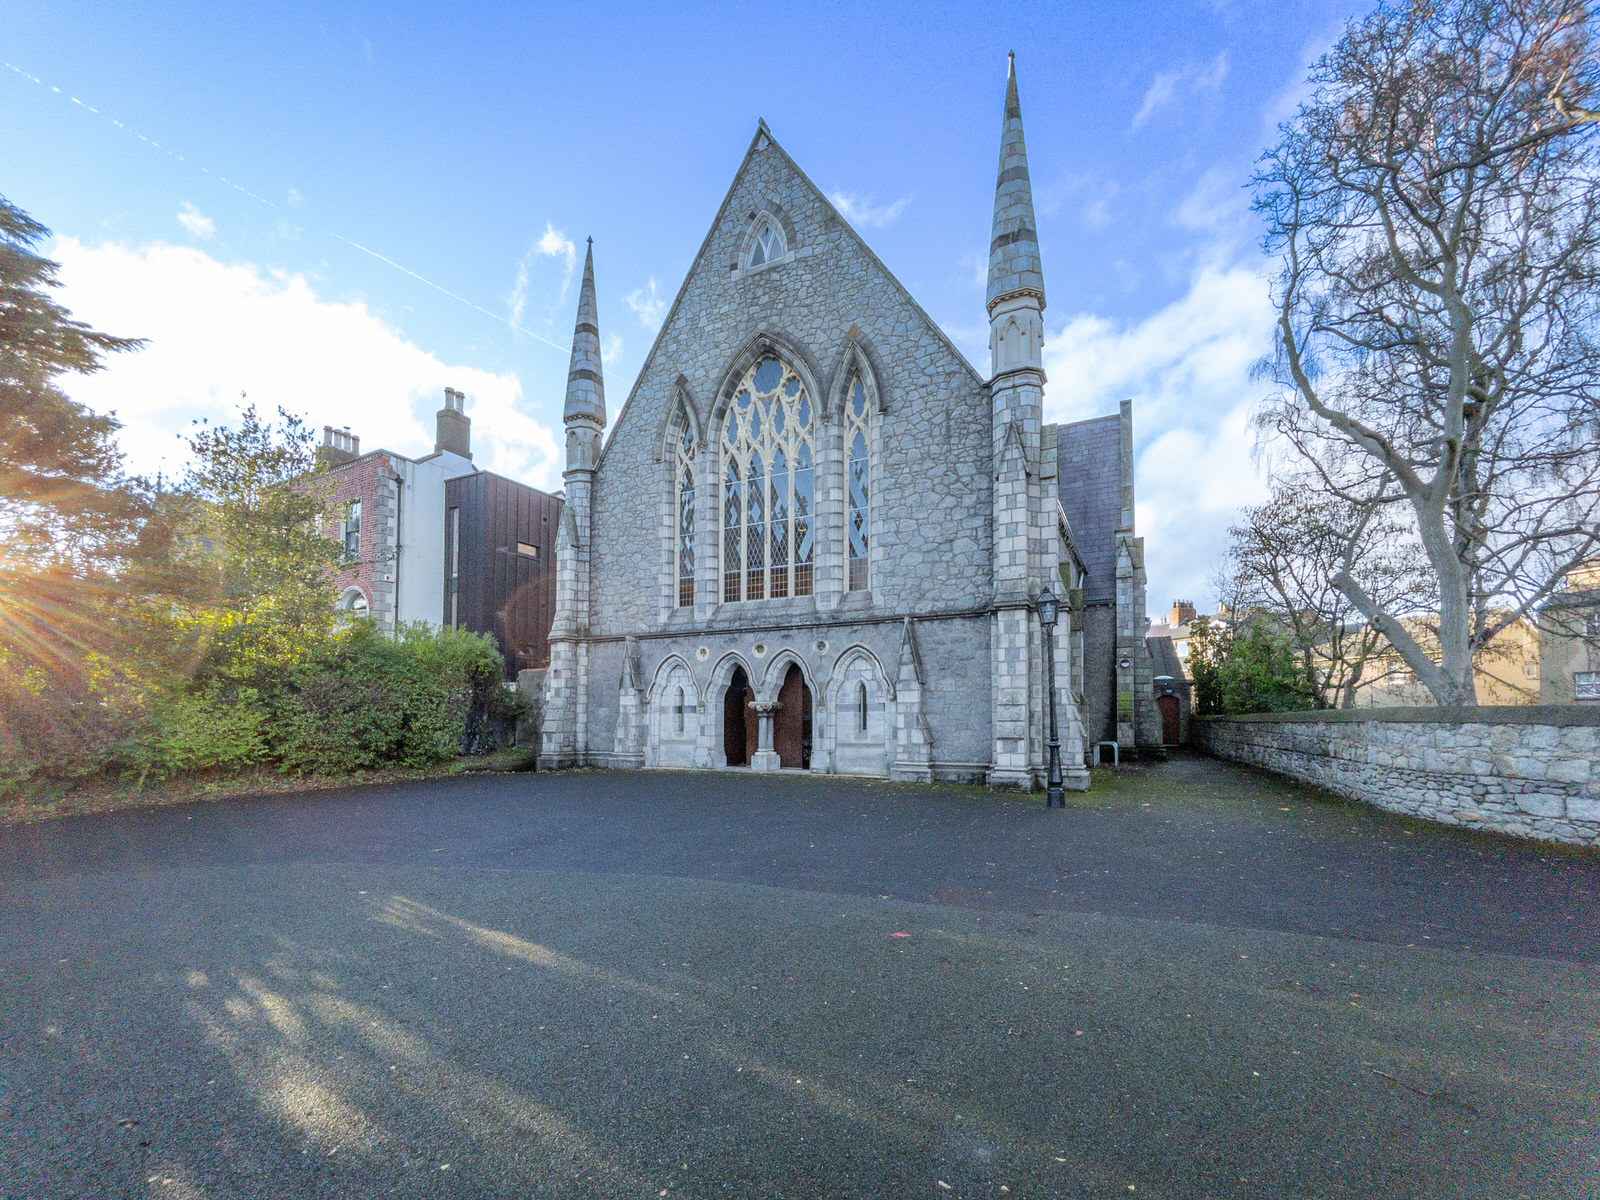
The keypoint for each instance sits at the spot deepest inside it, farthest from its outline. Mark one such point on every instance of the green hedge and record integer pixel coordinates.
(353, 699)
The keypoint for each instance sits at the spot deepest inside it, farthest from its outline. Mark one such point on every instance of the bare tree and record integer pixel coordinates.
(1436, 208)
(1283, 559)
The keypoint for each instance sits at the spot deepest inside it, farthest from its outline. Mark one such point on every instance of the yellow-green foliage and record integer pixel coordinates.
(207, 731)
(218, 647)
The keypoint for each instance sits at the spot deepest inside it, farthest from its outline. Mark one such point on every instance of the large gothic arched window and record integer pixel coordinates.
(767, 488)
(683, 475)
(858, 480)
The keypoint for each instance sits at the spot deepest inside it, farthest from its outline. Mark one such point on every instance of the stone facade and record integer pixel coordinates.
(1528, 771)
(933, 668)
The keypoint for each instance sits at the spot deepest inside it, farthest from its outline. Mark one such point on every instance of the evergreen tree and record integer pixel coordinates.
(63, 498)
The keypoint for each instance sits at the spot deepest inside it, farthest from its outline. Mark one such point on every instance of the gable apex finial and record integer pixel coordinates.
(1011, 64)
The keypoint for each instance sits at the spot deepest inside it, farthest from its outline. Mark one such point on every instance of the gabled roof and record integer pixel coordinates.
(762, 140)
(1089, 480)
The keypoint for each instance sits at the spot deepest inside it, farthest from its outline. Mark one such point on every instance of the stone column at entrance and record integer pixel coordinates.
(765, 758)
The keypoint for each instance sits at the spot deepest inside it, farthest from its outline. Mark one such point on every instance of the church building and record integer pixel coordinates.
(815, 536)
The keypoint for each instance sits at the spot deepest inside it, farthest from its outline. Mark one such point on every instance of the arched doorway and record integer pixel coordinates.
(1171, 727)
(738, 720)
(791, 727)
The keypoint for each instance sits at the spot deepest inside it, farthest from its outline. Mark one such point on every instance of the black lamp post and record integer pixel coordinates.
(1049, 608)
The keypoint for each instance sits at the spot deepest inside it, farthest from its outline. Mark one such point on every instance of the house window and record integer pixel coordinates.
(352, 530)
(1586, 685)
(767, 487)
(677, 712)
(768, 244)
(354, 602)
(684, 474)
(1591, 625)
(858, 443)
(861, 707)
(453, 583)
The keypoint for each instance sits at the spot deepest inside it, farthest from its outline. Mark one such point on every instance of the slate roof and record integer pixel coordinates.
(1089, 475)
(1164, 658)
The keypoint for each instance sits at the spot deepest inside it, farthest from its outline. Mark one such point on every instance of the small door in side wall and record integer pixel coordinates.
(1170, 725)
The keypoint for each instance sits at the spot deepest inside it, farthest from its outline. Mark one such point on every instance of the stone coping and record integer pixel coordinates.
(1486, 714)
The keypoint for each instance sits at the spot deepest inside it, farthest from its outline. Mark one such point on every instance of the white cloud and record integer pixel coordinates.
(1218, 207)
(610, 347)
(197, 223)
(216, 329)
(859, 210)
(1187, 370)
(647, 305)
(1167, 86)
(553, 243)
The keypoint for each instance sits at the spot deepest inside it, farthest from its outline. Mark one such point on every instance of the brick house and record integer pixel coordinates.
(404, 522)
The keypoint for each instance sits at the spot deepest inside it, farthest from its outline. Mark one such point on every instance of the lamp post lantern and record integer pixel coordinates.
(1049, 608)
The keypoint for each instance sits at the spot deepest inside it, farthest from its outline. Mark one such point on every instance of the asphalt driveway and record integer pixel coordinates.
(1195, 982)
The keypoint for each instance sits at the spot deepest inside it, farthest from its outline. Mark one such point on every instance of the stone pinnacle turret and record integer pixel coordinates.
(586, 392)
(1014, 245)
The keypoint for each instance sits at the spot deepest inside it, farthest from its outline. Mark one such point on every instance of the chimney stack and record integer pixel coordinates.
(339, 446)
(455, 427)
(1182, 612)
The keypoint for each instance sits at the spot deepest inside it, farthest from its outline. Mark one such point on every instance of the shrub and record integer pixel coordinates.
(367, 700)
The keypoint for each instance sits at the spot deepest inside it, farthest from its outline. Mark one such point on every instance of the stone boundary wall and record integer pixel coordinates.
(1530, 771)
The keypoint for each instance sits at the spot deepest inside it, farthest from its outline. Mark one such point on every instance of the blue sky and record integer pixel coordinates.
(212, 173)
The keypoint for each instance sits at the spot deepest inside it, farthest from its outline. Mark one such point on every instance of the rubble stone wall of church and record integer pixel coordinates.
(955, 658)
(931, 490)
(1527, 771)
(1099, 681)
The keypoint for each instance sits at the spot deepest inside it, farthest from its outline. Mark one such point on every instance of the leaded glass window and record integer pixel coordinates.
(858, 481)
(767, 246)
(684, 474)
(767, 486)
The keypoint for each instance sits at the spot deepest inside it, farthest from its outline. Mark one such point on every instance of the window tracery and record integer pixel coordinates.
(768, 457)
(683, 474)
(858, 481)
(768, 244)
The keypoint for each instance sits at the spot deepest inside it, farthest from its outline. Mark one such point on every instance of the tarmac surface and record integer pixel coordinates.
(1197, 981)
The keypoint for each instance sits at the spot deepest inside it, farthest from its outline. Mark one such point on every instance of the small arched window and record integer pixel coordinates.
(767, 245)
(861, 707)
(767, 465)
(677, 712)
(683, 474)
(353, 602)
(858, 482)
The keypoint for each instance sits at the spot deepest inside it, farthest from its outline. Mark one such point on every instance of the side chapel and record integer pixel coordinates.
(814, 537)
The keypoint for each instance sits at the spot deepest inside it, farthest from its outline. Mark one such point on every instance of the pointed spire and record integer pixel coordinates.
(1014, 246)
(586, 390)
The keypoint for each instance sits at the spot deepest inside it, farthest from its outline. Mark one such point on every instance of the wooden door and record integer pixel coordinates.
(790, 733)
(738, 720)
(1171, 730)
